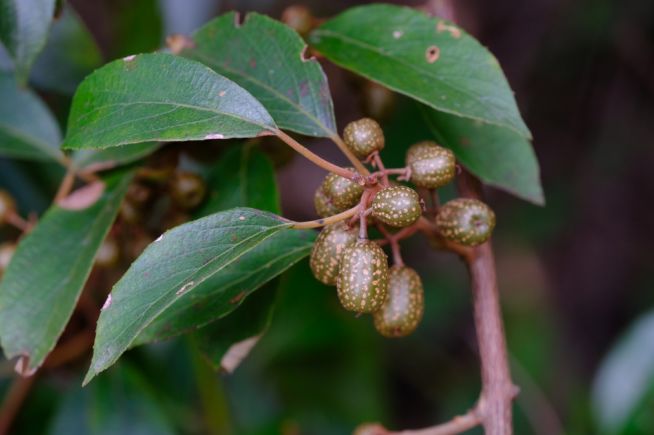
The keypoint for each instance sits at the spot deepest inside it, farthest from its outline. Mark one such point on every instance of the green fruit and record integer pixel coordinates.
(327, 251)
(187, 189)
(397, 206)
(342, 192)
(363, 137)
(7, 206)
(6, 252)
(404, 304)
(362, 280)
(432, 166)
(324, 206)
(466, 221)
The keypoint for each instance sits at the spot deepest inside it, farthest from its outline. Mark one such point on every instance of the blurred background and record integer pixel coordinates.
(576, 276)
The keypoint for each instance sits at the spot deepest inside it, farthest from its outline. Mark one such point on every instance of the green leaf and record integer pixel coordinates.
(24, 26)
(119, 403)
(497, 155)
(160, 97)
(27, 128)
(244, 177)
(69, 55)
(180, 266)
(39, 290)
(429, 59)
(221, 293)
(267, 58)
(244, 326)
(113, 157)
(625, 376)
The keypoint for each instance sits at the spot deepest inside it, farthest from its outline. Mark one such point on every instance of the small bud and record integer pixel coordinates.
(187, 189)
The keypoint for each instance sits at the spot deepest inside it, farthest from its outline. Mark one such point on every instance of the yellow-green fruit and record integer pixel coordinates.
(363, 137)
(362, 280)
(432, 166)
(324, 206)
(342, 192)
(6, 252)
(466, 221)
(327, 251)
(404, 304)
(187, 189)
(397, 206)
(7, 205)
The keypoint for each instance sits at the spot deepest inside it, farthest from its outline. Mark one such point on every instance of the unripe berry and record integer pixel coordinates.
(323, 205)
(431, 165)
(187, 189)
(299, 18)
(6, 252)
(108, 253)
(397, 206)
(362, 281)
(466, 221)
(342, 192)
(404, 304)
(363, 137)
(7, 206)
(327, 251)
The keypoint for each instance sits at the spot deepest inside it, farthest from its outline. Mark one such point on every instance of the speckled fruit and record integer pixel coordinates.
(187, 189)
(6, 252)
(342, 192)
(466, 221)
(363, 137)
(397, 206)
(7, 206)
(404, 304)
(362, 280)
(327, 251)
(323, 205)
(432, 166)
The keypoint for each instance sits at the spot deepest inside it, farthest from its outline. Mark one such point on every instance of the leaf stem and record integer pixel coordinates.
(316, 159)
(350, 156)
(328, 220)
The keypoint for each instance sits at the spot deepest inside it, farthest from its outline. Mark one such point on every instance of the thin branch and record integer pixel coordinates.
(393, 240)
(328, 220)
(17, 221)
(351, 157)
(66, 184)
(14, 399)
(316, 159)
(457, 425)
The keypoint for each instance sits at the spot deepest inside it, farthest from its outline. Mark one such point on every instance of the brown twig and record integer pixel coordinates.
(17, 221)
(457, 425)
(317, 223)
(316, 159)
(66, 184)
(18, 392)
(351, 157)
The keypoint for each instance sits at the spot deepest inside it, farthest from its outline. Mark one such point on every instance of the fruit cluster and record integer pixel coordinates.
(344, 256)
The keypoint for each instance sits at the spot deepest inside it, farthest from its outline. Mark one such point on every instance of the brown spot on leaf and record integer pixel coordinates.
(432, 54)
(442, 26)
(83, 197)
(236, 299)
